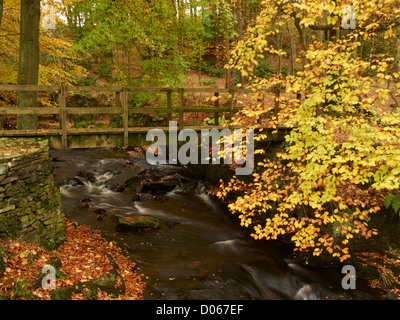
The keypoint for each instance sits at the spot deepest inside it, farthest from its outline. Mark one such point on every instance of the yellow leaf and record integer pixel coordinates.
(24, 254)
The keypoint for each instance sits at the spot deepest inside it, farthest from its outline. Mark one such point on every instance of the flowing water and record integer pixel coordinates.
(199, 252)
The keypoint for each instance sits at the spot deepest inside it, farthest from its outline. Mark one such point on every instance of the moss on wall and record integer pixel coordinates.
(30, 205)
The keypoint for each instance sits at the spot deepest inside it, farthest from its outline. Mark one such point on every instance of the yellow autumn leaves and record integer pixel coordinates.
(342, 155)
(58, 59)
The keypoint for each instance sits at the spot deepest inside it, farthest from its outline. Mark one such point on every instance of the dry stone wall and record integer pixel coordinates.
(30, 206)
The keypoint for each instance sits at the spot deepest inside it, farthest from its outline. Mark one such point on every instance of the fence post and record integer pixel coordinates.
(169, 105)
(63, 117)
(118, 105)
(125, 116)
(181, 105)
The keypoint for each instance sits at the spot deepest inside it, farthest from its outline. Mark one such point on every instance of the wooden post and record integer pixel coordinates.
(181, 105)
(118, 105)
(216, 105)
(169, 105)
(125, 117)
(63, 117)
(118, 99)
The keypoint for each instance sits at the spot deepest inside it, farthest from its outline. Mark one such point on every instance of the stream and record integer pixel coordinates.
(199, 251)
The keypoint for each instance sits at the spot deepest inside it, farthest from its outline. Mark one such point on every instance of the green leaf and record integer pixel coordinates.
(396, 203)
(393, 201)
(388, 200)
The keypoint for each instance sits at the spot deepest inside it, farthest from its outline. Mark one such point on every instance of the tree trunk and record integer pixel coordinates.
(1, 11)
(240, 20)
(395, 48)
(28, 69)
(293, 53)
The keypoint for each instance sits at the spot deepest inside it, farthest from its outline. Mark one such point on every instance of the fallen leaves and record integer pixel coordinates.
(382, 270)
(84, 256)
(10, 150)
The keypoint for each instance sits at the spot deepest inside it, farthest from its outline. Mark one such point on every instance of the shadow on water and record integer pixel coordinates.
(199, 252)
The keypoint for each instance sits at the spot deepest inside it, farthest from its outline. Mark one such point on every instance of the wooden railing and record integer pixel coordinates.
(121, 105)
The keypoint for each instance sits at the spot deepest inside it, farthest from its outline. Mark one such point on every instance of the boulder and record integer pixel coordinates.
(112, 283)
(88, 175)
(136, 222)
(160, 187)
(134, 186)
(145, 197)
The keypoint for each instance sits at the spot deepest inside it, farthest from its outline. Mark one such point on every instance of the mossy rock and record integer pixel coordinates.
(382, 267)
(54, 262)
(364, 270)
(136, 222)
(107, 283)
(134, 187)
(111, 283)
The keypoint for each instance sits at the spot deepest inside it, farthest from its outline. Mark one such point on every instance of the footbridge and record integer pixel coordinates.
(175, 105)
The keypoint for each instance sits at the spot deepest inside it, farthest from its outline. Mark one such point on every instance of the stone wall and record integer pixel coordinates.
(30, 206)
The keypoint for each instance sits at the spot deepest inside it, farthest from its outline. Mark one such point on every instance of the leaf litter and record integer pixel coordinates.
(84, 256)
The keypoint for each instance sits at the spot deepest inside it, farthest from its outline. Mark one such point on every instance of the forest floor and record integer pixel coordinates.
(84, 257)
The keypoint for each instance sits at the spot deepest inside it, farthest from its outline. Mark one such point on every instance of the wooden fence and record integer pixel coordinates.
(121, 106)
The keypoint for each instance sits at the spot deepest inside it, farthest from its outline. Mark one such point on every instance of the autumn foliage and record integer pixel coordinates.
(341, 158)
(59, 62)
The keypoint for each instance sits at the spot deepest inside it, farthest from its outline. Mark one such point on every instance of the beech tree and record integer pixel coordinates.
(28, 69)
(341, 160)
(59, 64)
